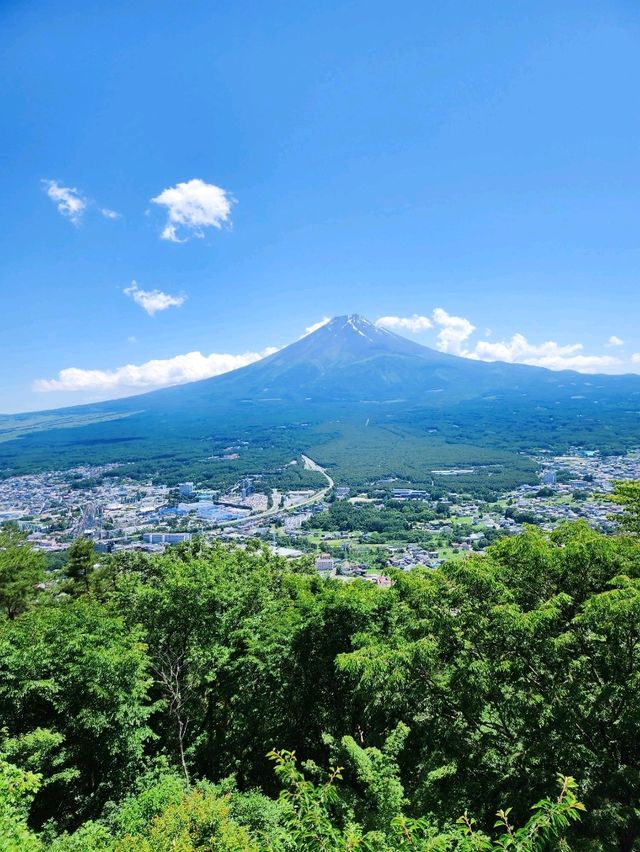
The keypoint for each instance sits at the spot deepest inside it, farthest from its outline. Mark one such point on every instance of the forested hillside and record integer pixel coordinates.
(217, 698)
(363, 402)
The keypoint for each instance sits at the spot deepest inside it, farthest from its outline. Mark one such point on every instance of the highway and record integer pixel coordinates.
(309, 464)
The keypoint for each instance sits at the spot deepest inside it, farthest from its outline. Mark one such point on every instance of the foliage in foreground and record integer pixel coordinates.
(167, 814)
(127, 692)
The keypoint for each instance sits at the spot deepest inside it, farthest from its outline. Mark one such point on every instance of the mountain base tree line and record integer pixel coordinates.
(221, 698)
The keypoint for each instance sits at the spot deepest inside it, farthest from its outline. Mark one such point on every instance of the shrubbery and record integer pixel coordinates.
(139, 704)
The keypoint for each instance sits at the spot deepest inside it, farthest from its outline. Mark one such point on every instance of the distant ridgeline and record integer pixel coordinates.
(362, 401)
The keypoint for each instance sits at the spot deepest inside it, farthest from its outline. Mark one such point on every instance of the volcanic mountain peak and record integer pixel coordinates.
(351, 337)
(354, 324)
(347, 371)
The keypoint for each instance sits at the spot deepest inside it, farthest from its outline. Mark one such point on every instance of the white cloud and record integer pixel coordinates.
(415, 324)
(635, 358)
(67, 199)
(454, 332)
(310, 329)
(153, 301)
(193, 206)
(158, 373)
(72, 204)
(549, 354)
(614, 340)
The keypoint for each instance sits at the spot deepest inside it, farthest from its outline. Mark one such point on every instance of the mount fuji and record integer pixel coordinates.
(359, 395)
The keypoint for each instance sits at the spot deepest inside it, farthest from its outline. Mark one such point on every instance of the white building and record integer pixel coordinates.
(325, 562)
(166, 538)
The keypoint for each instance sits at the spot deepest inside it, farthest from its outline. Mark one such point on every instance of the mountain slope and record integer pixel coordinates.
(351, 360)
(362, 398)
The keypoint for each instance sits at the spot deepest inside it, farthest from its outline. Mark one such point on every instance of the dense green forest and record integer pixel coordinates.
(359, 445)
(369, 406)
(218, 698)
(394, 516)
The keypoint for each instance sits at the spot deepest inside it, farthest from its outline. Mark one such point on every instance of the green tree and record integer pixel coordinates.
(380, 558)
(75, 671)
(21, 570)
(503, 671)
(627, 495)
(243, 645)
(457, 690)
(17, 789)
(80, 563)
(315, 821)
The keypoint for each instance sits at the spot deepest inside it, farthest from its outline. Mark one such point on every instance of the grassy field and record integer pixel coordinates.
(450, 554)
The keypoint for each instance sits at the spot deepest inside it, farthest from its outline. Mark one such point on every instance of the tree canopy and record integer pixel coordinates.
(147, 706)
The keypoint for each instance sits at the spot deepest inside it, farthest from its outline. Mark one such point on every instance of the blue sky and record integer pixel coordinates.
(469, 164)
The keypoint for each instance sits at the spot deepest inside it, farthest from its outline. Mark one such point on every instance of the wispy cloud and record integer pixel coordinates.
(193, 207)
(614, 340)
(635, 358)
(153, 301)
(415, 324)
(73, 204)
(136, 378)
(68, 200)
(316, 325)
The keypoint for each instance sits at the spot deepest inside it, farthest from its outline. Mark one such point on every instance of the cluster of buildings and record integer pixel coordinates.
(56, 507)
(413, 555)
(327, 566)
(573, 487)
(121, 513)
